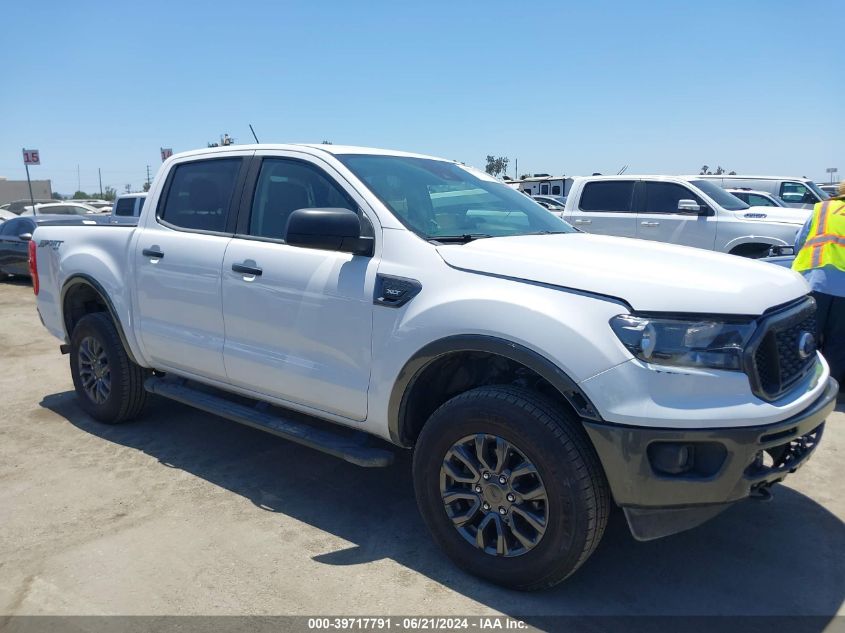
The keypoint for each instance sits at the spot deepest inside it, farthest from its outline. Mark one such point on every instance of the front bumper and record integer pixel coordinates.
(670, 480)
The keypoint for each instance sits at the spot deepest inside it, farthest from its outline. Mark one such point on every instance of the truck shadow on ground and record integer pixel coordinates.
(782, 558)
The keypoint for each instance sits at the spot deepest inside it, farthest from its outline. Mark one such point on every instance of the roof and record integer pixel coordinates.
(747, 177)
(541, 178)
(328, 149)
(754, 191)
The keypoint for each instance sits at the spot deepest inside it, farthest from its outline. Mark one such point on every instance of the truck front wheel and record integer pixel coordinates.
(510, 487)
(109, 385)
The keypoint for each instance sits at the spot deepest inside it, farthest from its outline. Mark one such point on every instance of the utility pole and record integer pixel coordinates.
(515, 168)
(100, 176)
(78, 181)
(148, 177)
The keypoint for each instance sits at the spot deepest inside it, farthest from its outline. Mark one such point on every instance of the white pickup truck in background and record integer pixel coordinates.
(682, 210)
(357, 300)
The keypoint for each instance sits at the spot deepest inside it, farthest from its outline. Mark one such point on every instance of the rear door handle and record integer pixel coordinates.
(583, 222)
(152, 252)
(247, 270)
(650, 223)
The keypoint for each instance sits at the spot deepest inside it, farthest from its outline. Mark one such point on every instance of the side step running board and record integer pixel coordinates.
(349, 445)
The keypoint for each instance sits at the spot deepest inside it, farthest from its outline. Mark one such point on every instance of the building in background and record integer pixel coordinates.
(11, 190)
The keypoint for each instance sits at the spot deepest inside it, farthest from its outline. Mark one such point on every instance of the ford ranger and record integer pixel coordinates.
(359, 301)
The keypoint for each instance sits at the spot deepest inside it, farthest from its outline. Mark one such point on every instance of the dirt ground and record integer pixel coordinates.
(185, 513)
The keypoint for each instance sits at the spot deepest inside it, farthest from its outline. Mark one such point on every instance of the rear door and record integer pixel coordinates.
(298, 320)
(606, 207)
(178, 261)
(660, 220)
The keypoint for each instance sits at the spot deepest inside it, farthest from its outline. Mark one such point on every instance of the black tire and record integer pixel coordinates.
(126, 395)
(578, 502)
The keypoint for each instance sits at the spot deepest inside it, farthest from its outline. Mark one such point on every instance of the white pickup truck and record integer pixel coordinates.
(358, 300)
(683, 210)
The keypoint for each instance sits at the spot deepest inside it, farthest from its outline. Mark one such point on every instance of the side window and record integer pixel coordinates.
(795, 192)
(756, 200)
(556, 190)
(10, 227)
(287, 185)
(544, 189)
(141, 202)
(125, 206)
(663, 197)
(607, 195)
(742, 196)
(199, 194)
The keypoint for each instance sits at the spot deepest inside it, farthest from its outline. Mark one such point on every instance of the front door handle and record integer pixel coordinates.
(153, 252)
(583, 221)
(247, 270)
(650, 223)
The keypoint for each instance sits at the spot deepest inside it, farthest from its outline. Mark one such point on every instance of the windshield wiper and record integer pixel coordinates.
(458, 239)
(548, 233)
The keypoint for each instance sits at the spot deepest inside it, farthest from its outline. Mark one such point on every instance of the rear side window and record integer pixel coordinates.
(125, 206)
(663, 197)
(607, 195)
(756, 200)
(199, 194)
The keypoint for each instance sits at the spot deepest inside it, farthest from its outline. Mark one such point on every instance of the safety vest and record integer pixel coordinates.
(825, 245)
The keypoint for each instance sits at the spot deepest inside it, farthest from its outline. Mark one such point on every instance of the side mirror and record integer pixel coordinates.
(26, 237)
(688, 206)
(328, 229)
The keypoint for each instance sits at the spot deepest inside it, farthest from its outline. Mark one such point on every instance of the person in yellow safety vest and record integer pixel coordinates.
(820, 248)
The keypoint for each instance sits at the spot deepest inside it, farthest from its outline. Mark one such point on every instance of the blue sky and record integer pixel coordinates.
(663, 87)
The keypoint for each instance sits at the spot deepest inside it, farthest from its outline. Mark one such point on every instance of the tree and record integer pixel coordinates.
(705, 171)
(496, 165)
(57, 196)
(327, 143)
(80, 195)
(147, 186)
(109, 193)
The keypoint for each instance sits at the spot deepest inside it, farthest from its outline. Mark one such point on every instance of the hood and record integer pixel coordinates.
(781, 215)
(649, 276)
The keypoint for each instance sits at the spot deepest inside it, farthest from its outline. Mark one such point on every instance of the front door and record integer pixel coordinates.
(178, 262)
(298, 320)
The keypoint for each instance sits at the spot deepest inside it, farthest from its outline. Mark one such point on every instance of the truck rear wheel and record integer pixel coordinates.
(510, 487)
(109, 385)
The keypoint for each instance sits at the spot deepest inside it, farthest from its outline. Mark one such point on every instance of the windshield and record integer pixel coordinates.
(823, 195)
(720, 196)
(437, 199)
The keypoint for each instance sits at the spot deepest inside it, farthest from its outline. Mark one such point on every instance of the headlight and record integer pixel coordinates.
(684, 342)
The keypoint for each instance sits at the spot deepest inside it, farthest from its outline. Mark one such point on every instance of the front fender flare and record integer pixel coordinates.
(538, 363)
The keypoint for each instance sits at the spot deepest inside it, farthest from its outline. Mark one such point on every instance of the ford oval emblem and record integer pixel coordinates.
(806, 344)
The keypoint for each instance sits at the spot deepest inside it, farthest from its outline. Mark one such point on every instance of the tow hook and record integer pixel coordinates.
(761, 493)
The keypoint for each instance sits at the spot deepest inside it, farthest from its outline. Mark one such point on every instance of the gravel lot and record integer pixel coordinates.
(185, 513)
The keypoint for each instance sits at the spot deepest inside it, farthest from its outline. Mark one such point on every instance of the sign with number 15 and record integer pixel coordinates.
(31, 157)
